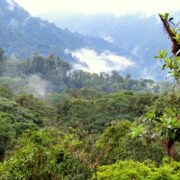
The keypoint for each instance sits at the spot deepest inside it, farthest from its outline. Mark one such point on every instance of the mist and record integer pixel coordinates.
(37, 86)
(94, 62)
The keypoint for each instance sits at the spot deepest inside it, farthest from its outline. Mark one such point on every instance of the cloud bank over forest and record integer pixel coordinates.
(94, 62)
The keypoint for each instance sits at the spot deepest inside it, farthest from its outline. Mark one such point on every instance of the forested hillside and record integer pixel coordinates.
(55, 75)
(102, 37)
(23, 34)
(61, 123)
(138, 35)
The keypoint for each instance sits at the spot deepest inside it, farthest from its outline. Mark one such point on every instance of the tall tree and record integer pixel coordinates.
(164, 123)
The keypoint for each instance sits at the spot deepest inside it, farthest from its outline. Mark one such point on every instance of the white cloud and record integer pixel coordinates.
(13, 23)
(148, 74)
(107, 38)
(11, 5)
(119, 7)
(91, 61)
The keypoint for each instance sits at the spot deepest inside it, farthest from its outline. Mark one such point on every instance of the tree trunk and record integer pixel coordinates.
(171, 34)
(170, 148)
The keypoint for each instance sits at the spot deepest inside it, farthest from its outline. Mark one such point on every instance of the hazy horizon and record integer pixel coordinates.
(103, 43)
(117, 7)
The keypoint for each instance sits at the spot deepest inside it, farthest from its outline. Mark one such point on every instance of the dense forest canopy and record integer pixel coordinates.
(56, 75)
(61, 123)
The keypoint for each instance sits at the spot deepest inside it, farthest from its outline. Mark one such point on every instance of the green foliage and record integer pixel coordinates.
(30, 102)
(137, 131)
(172, 63)
(16, 84)
(123, 170)
(161, 122)
(1, 60)
(162, 117)
(7, 133)
(61, 77)
(93, 108)
(19, 114)
(165, 16)
(115, 144)
(5, 92)
(94, 115)
(163, 126)
(1, 54)
(126, 170)
(45, 154)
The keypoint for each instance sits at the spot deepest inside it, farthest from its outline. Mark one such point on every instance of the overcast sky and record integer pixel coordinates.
(118, 7)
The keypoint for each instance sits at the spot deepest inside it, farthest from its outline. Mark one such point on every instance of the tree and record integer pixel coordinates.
(5, 92)
(164, 123)
(44, 154)
(1, 55)
(7, 133)
(115, 144)
(161, 126)
(1, 60)
(172, 31)
(173, 62)
(129, 170)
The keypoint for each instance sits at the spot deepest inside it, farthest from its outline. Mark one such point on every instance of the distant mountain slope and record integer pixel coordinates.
(132, 33)
(22, 34)
(104, 42)
(138, 36)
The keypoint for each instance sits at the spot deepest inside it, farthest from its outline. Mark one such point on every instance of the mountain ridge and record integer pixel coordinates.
(23, 34)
